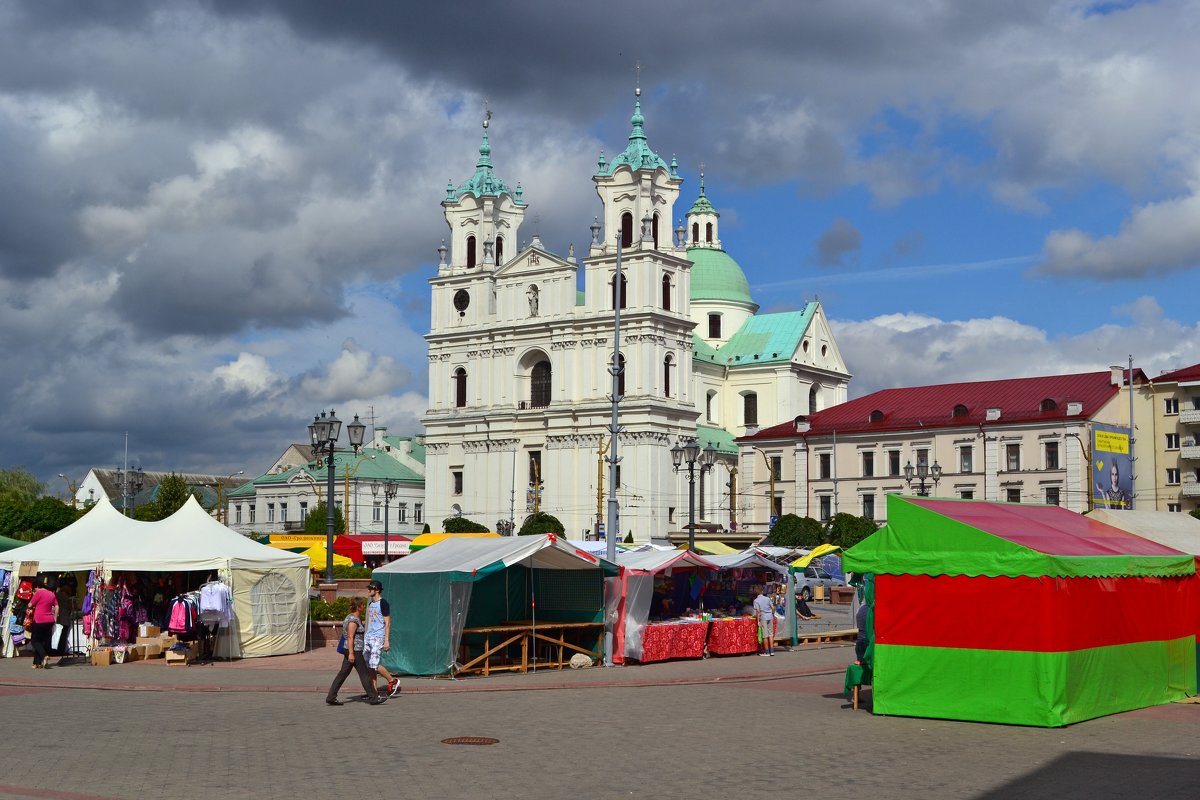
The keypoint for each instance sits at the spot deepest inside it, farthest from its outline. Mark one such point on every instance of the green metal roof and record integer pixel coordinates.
(703, 350)
(485, 182)
(702, 206)
(718, 438)
(767, 338)
(637, 155)
(716, 276)
(416, 449)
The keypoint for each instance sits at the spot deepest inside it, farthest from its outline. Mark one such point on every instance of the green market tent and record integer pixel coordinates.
(473, 582)
(1032, 615)
(10, 544)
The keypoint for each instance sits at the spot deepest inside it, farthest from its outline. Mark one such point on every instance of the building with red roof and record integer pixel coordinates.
(1027, 440)
(1177, 439)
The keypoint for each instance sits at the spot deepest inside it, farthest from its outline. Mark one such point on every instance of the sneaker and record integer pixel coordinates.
(329, 702)
(771, 653)
(393, 687)
(377, 700)
(764, 655)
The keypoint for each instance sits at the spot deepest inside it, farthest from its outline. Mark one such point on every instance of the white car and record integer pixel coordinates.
(814, 576)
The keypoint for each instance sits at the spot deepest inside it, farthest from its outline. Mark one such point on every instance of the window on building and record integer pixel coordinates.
(695, 233)
(893, 463)
(923, 456)
(402, 512)
(868, 464)
(709, 401)
(303, 510)
(471, 252)
(666, 292)
(456, 482)
(1013, 495)
(499, 250)
(826, 507)
(777, 468)
(626, 230)
(1012, 457)
(814, 398)
(620, 375)
(670, 514)
(668, 367)
(825, 465)
(1052, 496)
(270, 512)
(714, 326)
(535, 468)
(777, 506)
(654, 230)
(539, 388)
(337, 506)
(1051, 455)
(237, 515)
(1171, 405)
(750, 409)
(1048, 405)
(418, 513)
(283, 513)
(965, 459)
(460, 388)
(967, 494)
(376, 512)
(708, 232)
(620, 292)
(1174, 508)
(251, 510)
(1172, 476)
(1172, 441)
(960, 411)
(868, 506)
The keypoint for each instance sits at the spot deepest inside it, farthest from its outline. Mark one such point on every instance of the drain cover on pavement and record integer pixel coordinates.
(470, 740)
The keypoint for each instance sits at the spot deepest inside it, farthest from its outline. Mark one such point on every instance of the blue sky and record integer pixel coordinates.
(219, 217)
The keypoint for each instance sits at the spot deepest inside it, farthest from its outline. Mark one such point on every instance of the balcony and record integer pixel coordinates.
(1190, 489)
(1189, 416)
(1191, 453)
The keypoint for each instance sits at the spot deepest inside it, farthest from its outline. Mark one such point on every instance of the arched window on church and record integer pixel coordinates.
(695, 233)
(666, 292)
(814, 396)
(471, 252)
(460, 388)
(668, 367)
(750, 408)
(654, 229)
(499, 250)
(710, 403)
(620, 375)
(708, 232)
(539, 385)
(621, 291)
(627, 230)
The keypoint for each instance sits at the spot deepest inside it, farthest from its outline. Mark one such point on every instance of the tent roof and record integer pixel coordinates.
(973, 537)
(659, 560)
(713, 548)
(1180, 531)
(187, 540)
(596, 548)
(472, 558)
(426, 539)
(10, 544)
(746, 558)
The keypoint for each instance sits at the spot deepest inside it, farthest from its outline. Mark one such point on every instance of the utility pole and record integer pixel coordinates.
(600, 451)
(732, 497)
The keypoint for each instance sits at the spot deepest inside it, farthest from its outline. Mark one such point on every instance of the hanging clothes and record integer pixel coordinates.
(216, 604)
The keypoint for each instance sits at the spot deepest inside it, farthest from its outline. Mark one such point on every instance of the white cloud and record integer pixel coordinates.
(249, 373)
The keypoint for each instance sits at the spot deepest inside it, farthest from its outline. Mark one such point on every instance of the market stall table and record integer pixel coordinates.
(733, 635)
(674, 640)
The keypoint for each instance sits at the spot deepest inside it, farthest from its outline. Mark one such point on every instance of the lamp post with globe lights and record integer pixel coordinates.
(688, 452)
(323, 433)
(923, 472)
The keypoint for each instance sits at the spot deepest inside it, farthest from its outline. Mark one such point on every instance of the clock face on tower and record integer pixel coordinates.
(462, 299)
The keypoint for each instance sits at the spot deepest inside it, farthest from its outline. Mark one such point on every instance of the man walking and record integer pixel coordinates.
(378, 635)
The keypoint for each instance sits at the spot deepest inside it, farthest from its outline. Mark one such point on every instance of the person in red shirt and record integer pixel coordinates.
(43, 608)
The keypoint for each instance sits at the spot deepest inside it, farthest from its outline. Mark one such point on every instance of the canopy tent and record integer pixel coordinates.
(596, 548)
(1175, 530)
(10, 544)
(746, 558)
(317, 557)
(270, 587)
(818, 551)
(1098, 630)
(629, 606)
(357, 546)
(711, 548)
(429, 539)
(468, 582)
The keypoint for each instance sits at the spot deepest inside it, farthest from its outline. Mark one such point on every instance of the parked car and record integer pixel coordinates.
(814, 576)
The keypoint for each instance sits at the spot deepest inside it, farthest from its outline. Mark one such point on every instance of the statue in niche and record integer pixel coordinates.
(532, 294)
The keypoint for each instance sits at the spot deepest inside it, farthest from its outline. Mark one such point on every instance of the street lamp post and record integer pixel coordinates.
(389, 489)
(688, 452)
(923, 471)
(133, 478)
(323, 433)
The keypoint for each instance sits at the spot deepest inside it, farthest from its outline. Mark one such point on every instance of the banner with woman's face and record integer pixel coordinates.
(1112, 473)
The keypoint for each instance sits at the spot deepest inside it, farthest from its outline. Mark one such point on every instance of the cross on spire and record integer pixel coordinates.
(487, 113)
(637, 85)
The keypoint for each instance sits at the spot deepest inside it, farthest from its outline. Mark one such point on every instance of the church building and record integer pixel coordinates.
(521, 347)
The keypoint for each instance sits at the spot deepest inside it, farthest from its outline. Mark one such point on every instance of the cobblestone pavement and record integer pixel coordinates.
(739, 727)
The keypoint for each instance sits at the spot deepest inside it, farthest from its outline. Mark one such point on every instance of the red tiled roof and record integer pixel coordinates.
(1191, 373)
(1019, 400)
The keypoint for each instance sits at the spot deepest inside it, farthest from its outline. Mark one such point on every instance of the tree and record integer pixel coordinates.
(1195, 512)
(539, 523)
(49, 515)
(19, 485)
(12, 515)
(314, 523)
(847, 530)
(791, 530)
(463, 525)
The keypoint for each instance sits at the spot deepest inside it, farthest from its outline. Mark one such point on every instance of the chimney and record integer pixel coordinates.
(1118, 375)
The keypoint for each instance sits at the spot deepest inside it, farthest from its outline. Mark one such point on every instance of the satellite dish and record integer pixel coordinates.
(457, 509)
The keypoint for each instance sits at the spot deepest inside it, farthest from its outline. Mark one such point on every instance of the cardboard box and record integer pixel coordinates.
(152, 650)
(135, 652)
(147, 630)
(179, 657)
(168, 641)
(101, 656)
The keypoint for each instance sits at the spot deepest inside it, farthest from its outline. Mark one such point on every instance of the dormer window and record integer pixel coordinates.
(876, 416)
(1049, 405)
(960, 411)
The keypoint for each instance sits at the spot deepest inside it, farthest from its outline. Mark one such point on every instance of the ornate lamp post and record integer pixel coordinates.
(131, 482)
(323, 432)
(688, 452)
(389, 489)
(922, 472)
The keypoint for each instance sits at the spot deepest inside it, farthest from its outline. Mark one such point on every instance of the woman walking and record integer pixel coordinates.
(43, 611)
(352, 630)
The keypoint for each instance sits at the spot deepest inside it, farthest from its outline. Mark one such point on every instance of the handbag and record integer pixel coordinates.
(341, 647)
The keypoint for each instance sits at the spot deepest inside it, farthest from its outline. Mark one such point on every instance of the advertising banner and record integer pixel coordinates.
(1112, 471)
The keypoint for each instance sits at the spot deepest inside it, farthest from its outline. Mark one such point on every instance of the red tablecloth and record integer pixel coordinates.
(729, 636)
(679, 640)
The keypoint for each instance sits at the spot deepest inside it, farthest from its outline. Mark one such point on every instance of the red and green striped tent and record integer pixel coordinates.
(1031, 615)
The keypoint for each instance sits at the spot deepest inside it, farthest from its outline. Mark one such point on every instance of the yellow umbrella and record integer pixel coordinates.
(316, 554)
(817, 552)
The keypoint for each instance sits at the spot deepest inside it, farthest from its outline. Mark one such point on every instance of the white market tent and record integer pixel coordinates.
(1178, 531)
(630, 605)
(270, 586)
(746, 558)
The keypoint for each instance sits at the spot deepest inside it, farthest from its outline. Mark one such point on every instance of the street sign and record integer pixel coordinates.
(774, 518)
(600, 528)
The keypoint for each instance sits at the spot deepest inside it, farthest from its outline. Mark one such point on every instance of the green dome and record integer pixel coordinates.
(716, 276)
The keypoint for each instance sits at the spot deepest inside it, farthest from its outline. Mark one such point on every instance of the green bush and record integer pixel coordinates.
(791, 530)
(321, 610)
(463, 525)
(349, 571)
(539, 523)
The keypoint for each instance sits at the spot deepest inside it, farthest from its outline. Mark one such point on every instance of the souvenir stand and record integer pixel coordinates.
(187, 570)
(657, 607)
(490, 604)
(731, 589)
(1103, 614)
